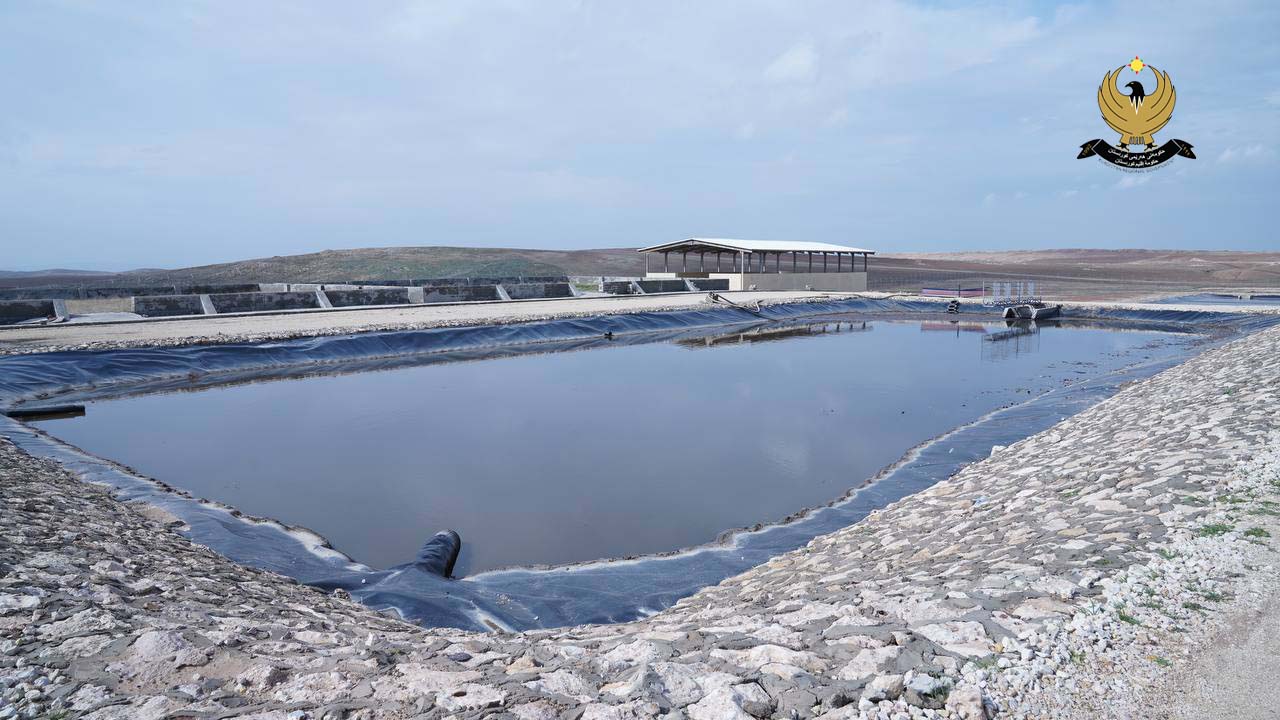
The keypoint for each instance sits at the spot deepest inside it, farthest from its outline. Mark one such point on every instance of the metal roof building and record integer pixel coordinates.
(762, 264)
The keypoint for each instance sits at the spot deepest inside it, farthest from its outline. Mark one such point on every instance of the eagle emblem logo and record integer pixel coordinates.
(1136, 116)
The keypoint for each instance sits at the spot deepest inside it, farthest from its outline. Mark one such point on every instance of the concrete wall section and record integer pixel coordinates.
(16, 311)
(709, 284)
(661, 286)
(39, 293)
(118, 292)
(617, 287)
(463, 281)
(459, 293)
(68, 292)
(529, 291)
(219, 288)
(370, 296)
(262, 301)
(167, 305)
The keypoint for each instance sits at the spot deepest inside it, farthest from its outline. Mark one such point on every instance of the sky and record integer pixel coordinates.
(167, 134)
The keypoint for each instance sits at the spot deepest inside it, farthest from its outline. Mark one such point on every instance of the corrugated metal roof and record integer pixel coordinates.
(757, 246)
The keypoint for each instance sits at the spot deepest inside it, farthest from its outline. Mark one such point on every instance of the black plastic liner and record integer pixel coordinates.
(517, 599)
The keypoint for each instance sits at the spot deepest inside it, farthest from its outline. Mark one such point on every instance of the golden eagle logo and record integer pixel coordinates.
(1137, 117)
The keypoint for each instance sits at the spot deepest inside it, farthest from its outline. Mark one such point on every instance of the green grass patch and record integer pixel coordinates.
(1162, 662)
(1166, 554)
(1212, 596)
(1215, 529)
(1194, 606)
(1077, 657)
(1125, 617)
(1256, 533)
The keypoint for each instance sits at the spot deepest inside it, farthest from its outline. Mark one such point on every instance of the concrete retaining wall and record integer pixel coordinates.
(368, 296)
(529, 291)
(36, 293)
(260, 301)
(459, 293)
(16, 311)
(68, 292)
(167, 305)
(219, 288)
(82, 293)
(137, 291)
(459, 282)
(661, 286)
(709, 284)
(617, 287)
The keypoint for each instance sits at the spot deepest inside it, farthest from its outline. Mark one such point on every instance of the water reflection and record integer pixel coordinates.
(775, 332)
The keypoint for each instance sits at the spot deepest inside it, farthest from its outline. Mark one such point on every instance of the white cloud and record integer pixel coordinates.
(1245, 153)
(837, 117)
(797, 65)
(572, 124)
(1132, 180)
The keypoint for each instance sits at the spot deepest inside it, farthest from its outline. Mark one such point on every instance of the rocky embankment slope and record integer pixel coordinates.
(1075, 573)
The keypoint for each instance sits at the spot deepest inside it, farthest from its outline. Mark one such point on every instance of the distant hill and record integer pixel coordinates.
(1201, 267)
(58, 276)
(1116, 268)
(57, 272)
(406, 263)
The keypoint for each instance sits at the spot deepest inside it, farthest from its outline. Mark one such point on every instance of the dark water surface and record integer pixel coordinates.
(576, 456)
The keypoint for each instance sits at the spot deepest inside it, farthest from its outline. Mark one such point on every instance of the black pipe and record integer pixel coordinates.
(48, 412)
(439, 553)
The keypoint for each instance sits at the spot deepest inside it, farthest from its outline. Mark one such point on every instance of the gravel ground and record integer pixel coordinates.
(1234, 677)
(1081, 572)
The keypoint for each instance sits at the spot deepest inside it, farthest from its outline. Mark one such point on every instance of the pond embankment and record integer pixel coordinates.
(1075, 573)
(264, 327)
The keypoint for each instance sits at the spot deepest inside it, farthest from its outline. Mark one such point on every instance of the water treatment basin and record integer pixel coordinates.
(629, 449)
